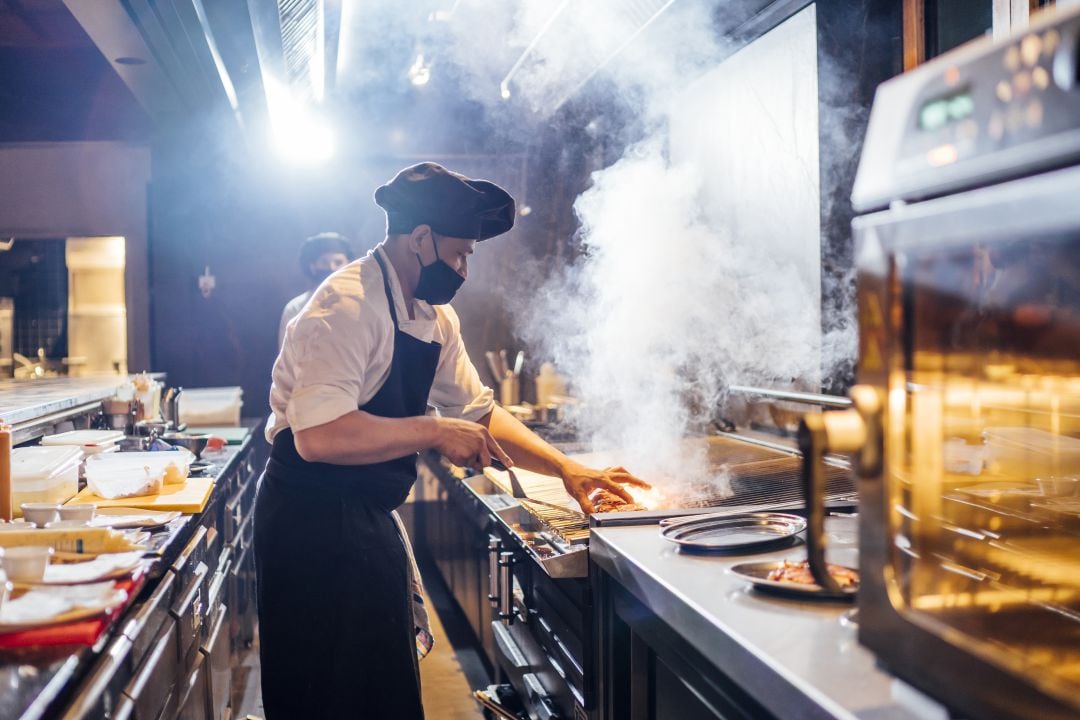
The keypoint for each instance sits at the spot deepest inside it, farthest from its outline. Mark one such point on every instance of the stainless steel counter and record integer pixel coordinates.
(23, 400)
(798, 659)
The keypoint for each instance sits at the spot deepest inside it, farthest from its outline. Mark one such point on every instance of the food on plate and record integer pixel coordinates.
(799, 572)
(606, 501)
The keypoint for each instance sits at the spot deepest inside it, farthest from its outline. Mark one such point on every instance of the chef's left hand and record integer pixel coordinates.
(580, 481)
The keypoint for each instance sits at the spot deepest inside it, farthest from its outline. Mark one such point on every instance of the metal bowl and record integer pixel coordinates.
(195, 443)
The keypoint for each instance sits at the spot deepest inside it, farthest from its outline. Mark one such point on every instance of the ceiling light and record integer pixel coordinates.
(419, 72)
(299, 134)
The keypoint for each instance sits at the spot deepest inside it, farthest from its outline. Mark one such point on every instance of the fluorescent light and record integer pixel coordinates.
(299, 134)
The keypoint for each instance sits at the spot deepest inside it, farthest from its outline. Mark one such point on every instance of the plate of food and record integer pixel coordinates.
(793, 577)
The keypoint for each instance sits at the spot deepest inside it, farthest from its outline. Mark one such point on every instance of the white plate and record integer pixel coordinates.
(129, 517)
(43, 606)
(108, 566)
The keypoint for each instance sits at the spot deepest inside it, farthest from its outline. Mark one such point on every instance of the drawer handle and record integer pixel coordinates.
(508, 647)
(506, 587)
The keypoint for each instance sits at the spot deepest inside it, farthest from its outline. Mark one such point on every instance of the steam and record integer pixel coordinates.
(700, 265)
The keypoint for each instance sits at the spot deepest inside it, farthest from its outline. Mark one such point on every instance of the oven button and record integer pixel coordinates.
(1004, 91)
(1040, 77)
(1022, 83)
(1051, 40)
(1012, 59)
(1031, 49)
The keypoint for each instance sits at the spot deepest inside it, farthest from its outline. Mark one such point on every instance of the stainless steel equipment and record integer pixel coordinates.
(969, 303)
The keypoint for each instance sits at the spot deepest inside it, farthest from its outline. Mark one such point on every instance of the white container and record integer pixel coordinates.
(126, 481)
(43, 474)
(26, 564)
(211, 406)
(91, 441)
(156, 463)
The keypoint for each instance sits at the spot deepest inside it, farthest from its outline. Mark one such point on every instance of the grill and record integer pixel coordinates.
(760, 478)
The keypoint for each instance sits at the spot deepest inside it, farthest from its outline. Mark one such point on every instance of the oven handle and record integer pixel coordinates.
(857, 431)
(506, 587)
(494, 548)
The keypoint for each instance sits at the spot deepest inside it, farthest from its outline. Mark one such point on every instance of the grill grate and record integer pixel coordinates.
(760, 479)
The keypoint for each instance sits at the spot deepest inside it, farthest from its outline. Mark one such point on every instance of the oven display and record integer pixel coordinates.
(942, 111)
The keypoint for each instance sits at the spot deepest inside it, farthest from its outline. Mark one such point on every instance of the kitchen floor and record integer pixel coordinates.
(445, 683)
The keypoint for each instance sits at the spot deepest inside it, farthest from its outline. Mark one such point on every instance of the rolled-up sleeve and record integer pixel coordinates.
(457, 390)
(332, 358)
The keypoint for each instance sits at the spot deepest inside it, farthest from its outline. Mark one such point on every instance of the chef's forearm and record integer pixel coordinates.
(360, 438)
(527, 449)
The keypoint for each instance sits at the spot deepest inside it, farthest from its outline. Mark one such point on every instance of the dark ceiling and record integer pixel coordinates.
(55, 85)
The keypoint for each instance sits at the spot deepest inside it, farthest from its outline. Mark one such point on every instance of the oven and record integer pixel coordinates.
(965, 430)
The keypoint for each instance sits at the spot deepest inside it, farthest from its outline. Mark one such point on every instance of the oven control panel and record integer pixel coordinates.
(983, 113)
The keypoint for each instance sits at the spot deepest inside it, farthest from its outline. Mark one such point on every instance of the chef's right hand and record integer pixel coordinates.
(468, 444)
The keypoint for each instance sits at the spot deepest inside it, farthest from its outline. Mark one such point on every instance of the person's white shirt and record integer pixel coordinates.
(337, 352)
(292, 309)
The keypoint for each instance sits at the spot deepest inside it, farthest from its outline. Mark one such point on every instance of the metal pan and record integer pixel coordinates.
(744, 532)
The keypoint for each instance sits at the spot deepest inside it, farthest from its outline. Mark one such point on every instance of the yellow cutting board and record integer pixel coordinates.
(188, 498)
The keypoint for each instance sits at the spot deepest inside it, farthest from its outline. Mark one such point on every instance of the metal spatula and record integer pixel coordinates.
(515, 484)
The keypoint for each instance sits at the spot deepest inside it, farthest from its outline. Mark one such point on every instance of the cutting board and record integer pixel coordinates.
(188, 498)
(231, 435)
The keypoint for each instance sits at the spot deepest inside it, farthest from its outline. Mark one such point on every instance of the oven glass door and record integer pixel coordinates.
(983, 425)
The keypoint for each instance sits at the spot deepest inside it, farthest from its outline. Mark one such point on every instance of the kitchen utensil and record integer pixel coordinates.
(757, 573)
(194, 443)
(519, 362)
(504, 365)
(40, 513)
(493, 365)
(81, 512)
(744, 532)
(515, 486)
(25, 564)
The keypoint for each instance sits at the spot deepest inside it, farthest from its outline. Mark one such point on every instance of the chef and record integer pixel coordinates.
(373, 348)
(320, 256)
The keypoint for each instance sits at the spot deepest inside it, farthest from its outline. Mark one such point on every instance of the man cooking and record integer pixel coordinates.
(320, 256)
(375, 345)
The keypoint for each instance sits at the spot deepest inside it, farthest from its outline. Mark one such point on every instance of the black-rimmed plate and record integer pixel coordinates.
(758, 574)
(739, 533)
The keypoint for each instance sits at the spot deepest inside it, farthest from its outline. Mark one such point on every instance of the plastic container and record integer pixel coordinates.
(92, 442)
(43, 474)
(172, 465)
(211, 406)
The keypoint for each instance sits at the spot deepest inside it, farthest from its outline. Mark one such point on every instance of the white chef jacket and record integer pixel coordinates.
(292, 309)
(337, 352)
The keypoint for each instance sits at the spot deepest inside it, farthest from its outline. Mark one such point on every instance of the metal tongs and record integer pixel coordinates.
(519, 492)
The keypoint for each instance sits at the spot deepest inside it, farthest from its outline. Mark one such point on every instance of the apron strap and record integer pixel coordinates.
(386, 287)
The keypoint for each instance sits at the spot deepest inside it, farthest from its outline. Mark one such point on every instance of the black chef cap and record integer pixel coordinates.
(451, 204)
(318, 245)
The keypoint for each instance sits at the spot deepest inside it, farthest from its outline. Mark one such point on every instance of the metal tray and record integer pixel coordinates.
(758, 574)
(744, 532)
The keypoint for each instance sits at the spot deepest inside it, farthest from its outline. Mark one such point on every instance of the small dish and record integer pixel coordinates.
(83, 512)
(757, 573)
(122, 518)
(26, 564)
(40, 513)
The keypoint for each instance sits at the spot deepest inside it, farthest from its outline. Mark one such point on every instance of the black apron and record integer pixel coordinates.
(335, 605)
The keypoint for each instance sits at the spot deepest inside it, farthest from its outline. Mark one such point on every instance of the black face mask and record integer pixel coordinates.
(438, 281)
